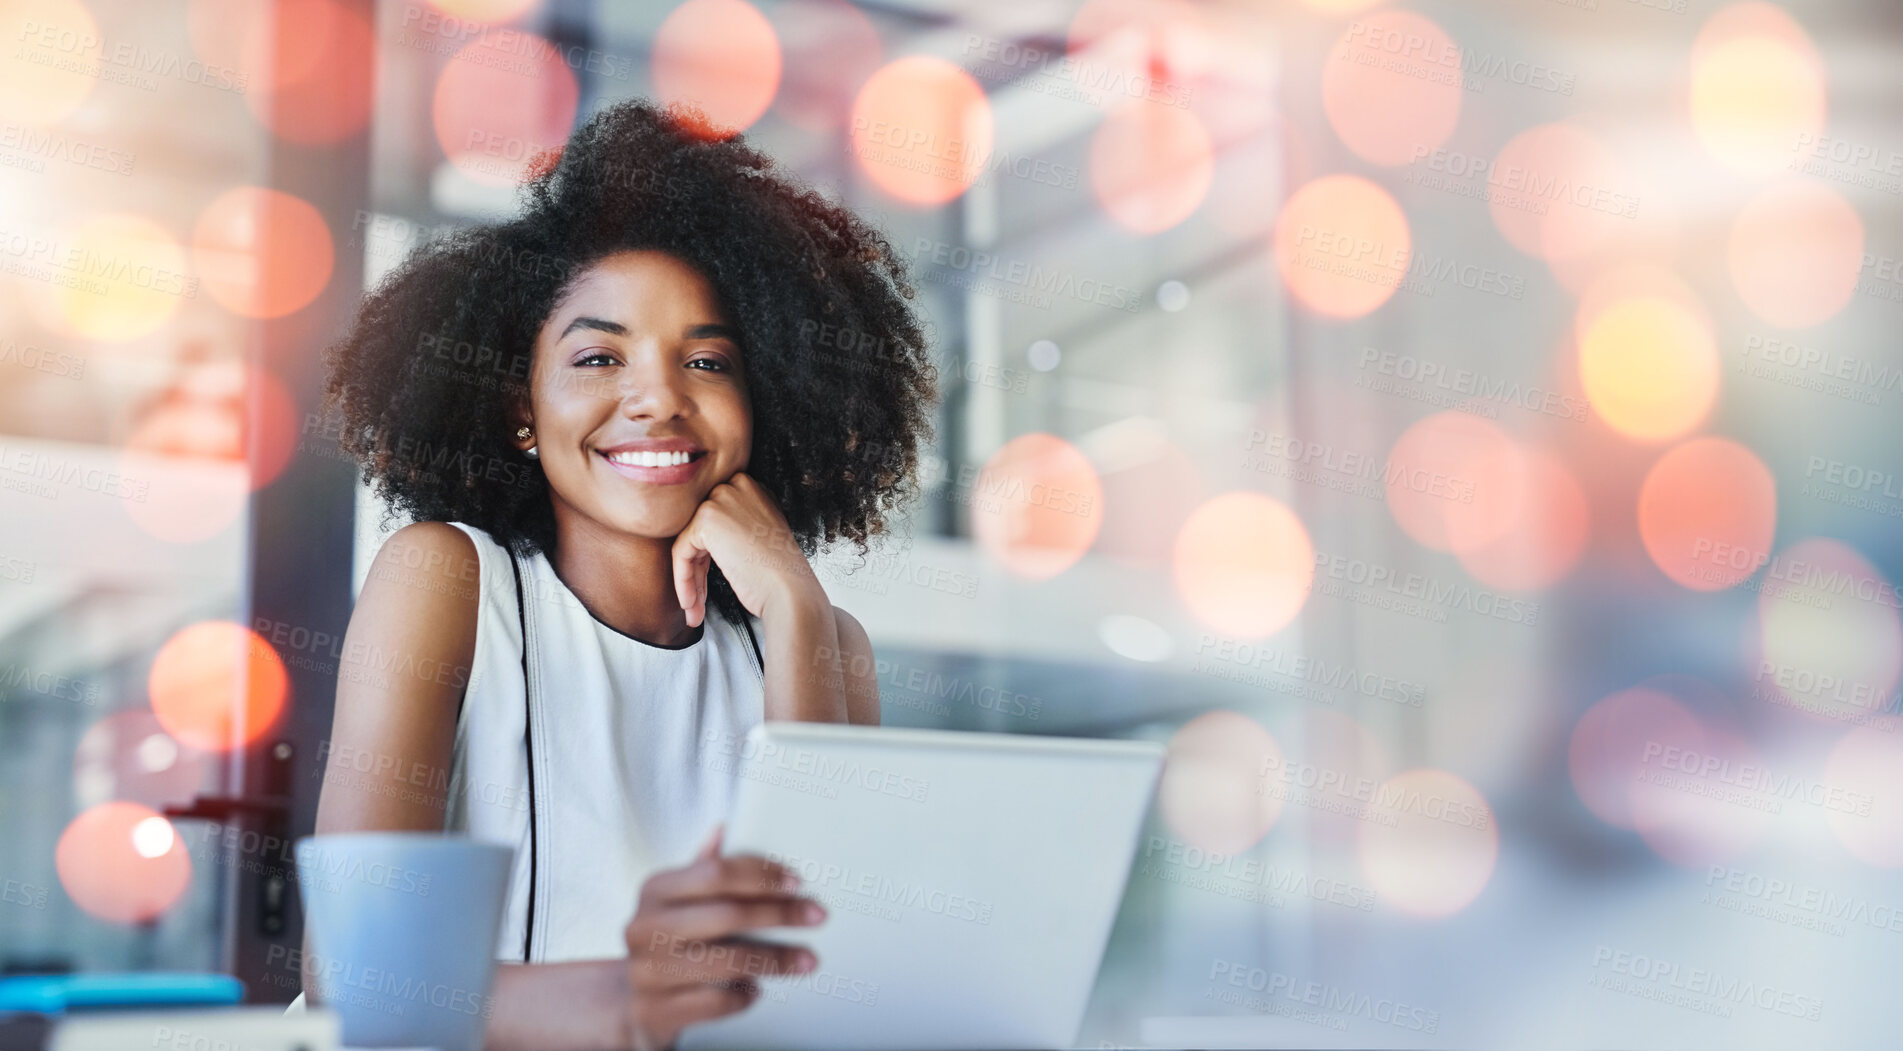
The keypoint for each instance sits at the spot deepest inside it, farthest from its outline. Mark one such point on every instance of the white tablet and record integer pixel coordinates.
(970, 880)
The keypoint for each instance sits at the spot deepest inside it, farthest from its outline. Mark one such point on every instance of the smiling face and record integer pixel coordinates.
(637, 403)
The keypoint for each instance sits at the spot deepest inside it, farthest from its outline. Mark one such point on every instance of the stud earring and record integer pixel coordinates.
(523, 433)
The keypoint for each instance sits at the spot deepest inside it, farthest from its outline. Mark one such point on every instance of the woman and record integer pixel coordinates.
(618, 423)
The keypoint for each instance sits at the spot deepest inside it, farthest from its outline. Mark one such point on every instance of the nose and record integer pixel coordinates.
(654, 387)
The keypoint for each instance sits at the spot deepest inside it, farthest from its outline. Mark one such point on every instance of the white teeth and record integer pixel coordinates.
(650, 459)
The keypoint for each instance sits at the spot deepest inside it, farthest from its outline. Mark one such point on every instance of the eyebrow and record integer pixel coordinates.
(615, 328)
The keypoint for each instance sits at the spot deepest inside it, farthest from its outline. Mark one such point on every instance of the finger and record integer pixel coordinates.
(712, 848)
(710, 921)
(739, 876)
(670, 963)
(690, 572)
(675, 1010)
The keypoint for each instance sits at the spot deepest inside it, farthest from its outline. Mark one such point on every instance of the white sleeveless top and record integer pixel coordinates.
(629, 776)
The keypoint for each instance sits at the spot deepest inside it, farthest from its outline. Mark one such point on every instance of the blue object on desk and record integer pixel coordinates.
(60, 993)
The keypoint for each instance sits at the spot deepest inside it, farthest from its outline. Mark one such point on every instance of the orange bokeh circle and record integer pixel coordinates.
(498, 108)
(122, 862)
(1392, 86)
(217, 685)
(1212, 792)
(1150, 165)
(1707, 511)
(1795, 253)
(262, 253)
(1342, 246)
(1243, 564)
(922, 130)
(720, 57)
(1036, 506)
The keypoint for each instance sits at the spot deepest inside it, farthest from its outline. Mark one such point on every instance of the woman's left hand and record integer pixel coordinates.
(740, 529)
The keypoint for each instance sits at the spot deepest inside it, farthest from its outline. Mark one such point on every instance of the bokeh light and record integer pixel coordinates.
(1036, 506)
(496, 110)
(1650, 368)
(1438, 853)
(1243, 564)
(1697, 799)
(830, 48)
(1342, 246)
(1589, 199)
(720, 57)
(262, 253)
(1707, 511)
(118, 863)
(1757, 85)
(1150, 165)
(320, 62)
(1212, 789)
(1605, 755)
(922, 130)
(1829, 637)
(128, 755)
(1455, 482)
(127, 278)
(1392, 87)
(1154, 49)
(217, 685)
(212, 417)
(489, 11)
(1795, 253)
(1866, 766)
(1546, 536)
(44, 78)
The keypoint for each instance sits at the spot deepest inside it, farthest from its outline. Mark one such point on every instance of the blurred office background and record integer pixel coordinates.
(1468, 433)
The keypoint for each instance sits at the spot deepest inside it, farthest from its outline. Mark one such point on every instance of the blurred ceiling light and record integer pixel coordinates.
(47, 75)
(1043, 355)
(1650, 368)
(1392, 86)
(720, 57)
(1707, 511)
(1212, 790)
(922, 130)
(1172, 296)
(107, 866)
(830, 48)
(1342, 246)
(1795, 253)
(1867, 765)
(1438, 853)
(1135, 638)
(262, 253)
(121, 277)
(1757, 87)
(1150, 165)
(499, 105)
(1036, 505)
(319, 69)
(1829, 636)
(1454, 482)
(1243, 564)
(1546, 537)
(217, 685)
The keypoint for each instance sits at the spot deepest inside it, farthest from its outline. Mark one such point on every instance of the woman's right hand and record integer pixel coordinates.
(687, 960)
